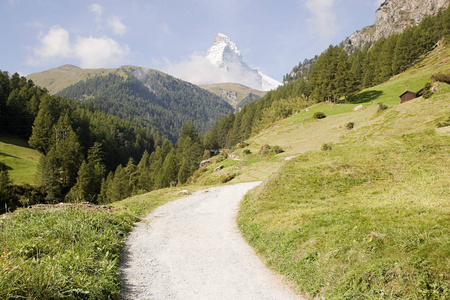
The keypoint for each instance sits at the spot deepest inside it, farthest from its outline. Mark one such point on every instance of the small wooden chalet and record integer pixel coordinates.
(407, 96)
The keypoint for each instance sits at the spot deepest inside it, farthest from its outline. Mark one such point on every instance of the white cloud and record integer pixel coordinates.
(117, 26)
(91, 52)
(198, 70)
(98, 52)
(323, 16)
(165, 28)
(96, 9)
(54, 43)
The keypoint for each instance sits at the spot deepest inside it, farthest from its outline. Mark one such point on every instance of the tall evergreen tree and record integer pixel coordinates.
(169, 171)
(90, 176)
(60, 165)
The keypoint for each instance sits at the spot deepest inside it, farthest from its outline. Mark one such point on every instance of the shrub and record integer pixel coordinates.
(267, 149)
(247, 151)
(319, 115)
(206, 154)
(441, 77)
(427, 91)
(427, 94)
(220, 157)
(327, 146)
(227, 177)
(381, 107)
(350, 125)
(277, 149)
(242, 145)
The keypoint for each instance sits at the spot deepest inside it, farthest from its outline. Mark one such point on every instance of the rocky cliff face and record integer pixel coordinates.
(393, 16)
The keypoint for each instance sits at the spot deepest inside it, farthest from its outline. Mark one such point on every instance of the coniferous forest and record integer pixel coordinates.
(87, 154)
(151, 99)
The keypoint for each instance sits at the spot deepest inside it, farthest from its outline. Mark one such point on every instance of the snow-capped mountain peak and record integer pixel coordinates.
(223, 50)
(225, 55)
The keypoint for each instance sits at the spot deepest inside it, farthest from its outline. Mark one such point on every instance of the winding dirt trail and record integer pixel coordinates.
(191, 248)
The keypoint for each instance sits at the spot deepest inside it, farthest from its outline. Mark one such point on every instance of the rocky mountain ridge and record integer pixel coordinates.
(393, 16)
(237, 95)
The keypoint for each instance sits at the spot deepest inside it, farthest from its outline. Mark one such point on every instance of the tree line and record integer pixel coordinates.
(335, 75)
(87, 154)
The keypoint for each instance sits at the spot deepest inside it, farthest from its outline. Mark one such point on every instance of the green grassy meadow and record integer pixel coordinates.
(20, 159)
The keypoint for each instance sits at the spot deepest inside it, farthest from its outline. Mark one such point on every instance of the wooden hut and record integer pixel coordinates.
(407, 96)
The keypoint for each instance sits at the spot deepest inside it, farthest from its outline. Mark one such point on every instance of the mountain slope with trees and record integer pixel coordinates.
(87, 155)
(153, 99)
(335, 76)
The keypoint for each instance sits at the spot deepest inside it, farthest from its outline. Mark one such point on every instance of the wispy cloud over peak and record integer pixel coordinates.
(323, 16)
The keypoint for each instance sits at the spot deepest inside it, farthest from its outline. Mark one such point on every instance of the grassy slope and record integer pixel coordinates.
(370, 218)
(69, 251)
(21, 160)
(56, 79)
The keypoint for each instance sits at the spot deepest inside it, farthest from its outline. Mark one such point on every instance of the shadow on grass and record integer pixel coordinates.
(13, 140)
(7, 155)
(4, 167)
(365, 97)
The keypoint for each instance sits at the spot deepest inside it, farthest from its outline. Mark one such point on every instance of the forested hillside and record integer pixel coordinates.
(152, 99)
(82, 146)
(335, 76)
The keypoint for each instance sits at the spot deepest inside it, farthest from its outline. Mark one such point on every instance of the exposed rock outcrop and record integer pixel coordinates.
(393, 16)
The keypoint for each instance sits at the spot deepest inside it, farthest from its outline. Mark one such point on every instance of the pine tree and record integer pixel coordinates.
(106, 183)
(90, 176)
(183, 172)
(144, 175)
(169, 171)
(43, 124)
(119, 187)
(60, 165)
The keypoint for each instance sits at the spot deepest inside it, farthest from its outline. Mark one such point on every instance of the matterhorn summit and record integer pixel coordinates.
(225, 55)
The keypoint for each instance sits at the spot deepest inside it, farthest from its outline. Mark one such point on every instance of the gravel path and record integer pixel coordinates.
(191, 248)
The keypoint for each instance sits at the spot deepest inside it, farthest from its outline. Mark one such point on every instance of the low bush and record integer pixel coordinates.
(267, 149)
(327, 146)
(227, 177)
(441, 77)
(319, 115)
(381, 107)
(350, 125)
(246, 151)
(242, 145)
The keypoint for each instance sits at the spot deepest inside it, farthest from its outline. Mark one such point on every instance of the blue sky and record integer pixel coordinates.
(272, 36)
